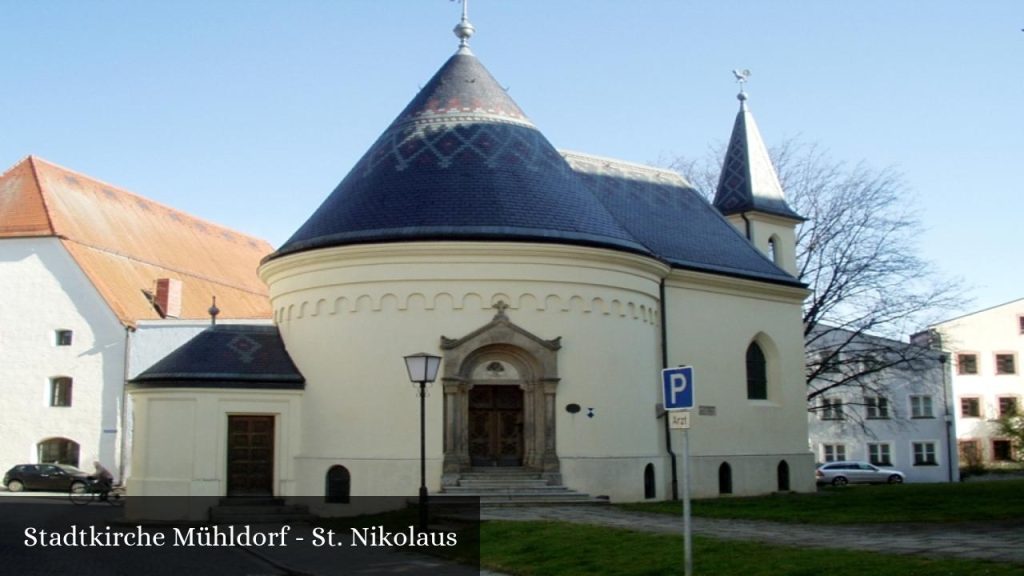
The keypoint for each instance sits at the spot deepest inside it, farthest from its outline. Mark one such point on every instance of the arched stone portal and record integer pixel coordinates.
(499, 400)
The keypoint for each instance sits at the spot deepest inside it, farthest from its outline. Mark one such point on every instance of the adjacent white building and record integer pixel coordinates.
(899, 416)
(82, 264)
(985, 347)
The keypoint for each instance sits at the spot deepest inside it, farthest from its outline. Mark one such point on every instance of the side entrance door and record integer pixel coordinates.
(496, 426)
(250, 455)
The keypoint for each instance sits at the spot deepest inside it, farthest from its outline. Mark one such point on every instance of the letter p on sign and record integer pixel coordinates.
(677, 388)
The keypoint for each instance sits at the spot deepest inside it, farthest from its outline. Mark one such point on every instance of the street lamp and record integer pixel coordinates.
(422, 369)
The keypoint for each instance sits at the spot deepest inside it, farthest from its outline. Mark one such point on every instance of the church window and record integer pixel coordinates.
(58, 451)
(649, 485)
(757, 373)
(725, 478)
(782, 476)
(339, 485)
(773, 250)
(60, 391)
(63, 337)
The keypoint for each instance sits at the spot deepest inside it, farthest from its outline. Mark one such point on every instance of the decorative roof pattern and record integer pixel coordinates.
(124, 243)
(748, 181)
(227, 356)
(665, 213)
(461, 162)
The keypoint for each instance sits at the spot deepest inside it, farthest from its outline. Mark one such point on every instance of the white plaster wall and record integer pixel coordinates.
(348, 316)
(43, 291)
(985, 333)
(711, 321)
(181, 439)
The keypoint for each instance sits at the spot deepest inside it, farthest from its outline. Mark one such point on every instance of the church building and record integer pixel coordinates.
(554, 285)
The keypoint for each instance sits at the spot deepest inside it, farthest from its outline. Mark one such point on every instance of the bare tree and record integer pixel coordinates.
(857, 253)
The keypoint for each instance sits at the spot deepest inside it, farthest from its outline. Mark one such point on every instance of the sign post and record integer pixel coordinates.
(677, 389)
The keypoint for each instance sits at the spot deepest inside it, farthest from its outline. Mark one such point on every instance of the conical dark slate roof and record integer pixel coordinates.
(461, 162)
(748, 181)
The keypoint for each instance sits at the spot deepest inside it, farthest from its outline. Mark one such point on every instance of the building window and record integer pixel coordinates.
(970, 407)
(725, 478)
(63, 337)
(880, 454)
(1007, 406)
(924, 454)
(831, 409)
(60, 391)
(339, 485)
(1005, 364)
(1020, 324)
(921, 407)
(966, 363)
(58, 451)
(757, 373)
(834, 452)
(1002, 451)
(877, 407)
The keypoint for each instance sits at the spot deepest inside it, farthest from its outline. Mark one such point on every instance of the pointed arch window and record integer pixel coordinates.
(757, 373)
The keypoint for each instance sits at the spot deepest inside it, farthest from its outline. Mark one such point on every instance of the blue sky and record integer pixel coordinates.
(248, 113)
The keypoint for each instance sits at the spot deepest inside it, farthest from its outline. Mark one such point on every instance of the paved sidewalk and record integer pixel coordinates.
(1001, 542)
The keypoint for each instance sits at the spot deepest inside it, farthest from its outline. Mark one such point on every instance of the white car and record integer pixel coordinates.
(843, 473)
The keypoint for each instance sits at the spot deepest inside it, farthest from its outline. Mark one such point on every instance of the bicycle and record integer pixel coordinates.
(82, 494)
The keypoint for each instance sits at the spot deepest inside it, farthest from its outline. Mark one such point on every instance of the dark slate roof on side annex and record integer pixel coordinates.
(227, 356)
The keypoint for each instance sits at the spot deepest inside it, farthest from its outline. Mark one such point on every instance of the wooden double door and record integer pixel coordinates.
(496, 426)
(250, 455)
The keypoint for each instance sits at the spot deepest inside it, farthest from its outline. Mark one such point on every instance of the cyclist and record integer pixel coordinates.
(104, 480)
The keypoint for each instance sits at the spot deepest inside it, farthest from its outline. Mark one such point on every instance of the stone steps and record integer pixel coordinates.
(513, 487)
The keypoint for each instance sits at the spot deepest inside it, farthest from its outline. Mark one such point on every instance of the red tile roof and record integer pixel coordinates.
(124, 243)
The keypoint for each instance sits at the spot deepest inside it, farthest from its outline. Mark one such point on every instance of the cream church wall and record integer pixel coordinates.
(348, 315)
(44, 290)
(711, 321)
(181, 447)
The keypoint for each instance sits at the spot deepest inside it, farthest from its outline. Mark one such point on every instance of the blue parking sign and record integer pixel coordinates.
(677, 388)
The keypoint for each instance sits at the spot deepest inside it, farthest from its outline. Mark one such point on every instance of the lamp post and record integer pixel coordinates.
(422, 369)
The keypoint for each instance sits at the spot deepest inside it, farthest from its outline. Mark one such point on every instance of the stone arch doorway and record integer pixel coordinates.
(499, 408)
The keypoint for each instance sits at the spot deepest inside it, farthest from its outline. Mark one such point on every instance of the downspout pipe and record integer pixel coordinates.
(664, 416)
(123, 424)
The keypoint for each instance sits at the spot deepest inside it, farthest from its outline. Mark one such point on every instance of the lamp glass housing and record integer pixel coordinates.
(422, 367)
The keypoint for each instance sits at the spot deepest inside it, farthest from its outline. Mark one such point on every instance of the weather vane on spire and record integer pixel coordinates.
(741, 77)
(464, 30)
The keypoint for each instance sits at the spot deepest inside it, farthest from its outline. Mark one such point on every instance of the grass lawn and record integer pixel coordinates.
(965, 502)
(557, 549)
